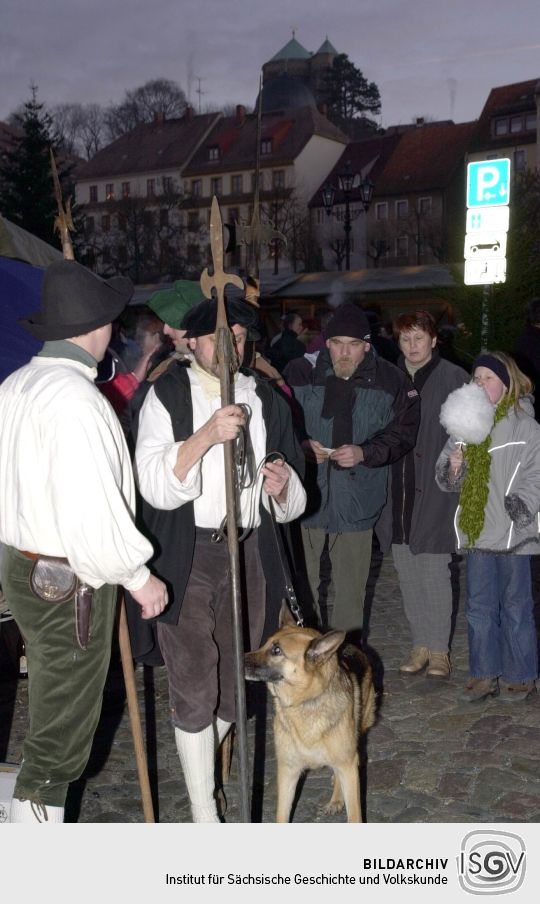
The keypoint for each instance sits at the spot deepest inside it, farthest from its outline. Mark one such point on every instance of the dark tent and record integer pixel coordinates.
(23, 258)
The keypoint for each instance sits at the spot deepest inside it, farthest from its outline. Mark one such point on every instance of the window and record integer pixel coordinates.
(237, 185)
(106, 255)
(164, 253)
(150, 188)
(213, 153)
(126, 189)
(148, 219)
(93, 194)
(516, 124)
(424, 207)
(163, 217)
(109, 191)
(105, 223)
(261, 181)
(266, 146)
(381, 210)
(215, 185)
(520, 161)
(233, 214)
(278, 178)
(530, 122)
(193, 221)
(122, 222)
(402, 246)
(196, 188)
(167, 183)
(501, 126)
(89, 225)
(402, 209)
(122, 254)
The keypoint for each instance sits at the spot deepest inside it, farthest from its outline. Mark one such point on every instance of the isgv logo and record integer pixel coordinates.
(491, 863)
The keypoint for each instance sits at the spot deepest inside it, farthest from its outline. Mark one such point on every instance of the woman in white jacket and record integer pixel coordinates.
(497, 523)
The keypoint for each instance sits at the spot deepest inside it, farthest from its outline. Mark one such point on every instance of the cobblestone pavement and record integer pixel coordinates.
(428, 758)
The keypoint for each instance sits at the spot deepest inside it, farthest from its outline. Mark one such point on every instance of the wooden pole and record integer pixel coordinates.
(226, 358)
(134, 714)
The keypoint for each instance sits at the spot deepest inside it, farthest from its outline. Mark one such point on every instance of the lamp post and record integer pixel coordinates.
(347, 182)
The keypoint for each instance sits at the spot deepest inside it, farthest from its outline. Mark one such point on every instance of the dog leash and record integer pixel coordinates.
(294, 605)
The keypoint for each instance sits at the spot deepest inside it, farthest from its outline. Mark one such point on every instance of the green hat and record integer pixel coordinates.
(172, 304)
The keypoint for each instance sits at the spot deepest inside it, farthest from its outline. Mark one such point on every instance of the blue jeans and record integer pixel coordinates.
(502, 632)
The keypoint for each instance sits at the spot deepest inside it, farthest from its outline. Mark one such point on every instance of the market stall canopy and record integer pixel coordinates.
(21, 245)
(23, 258)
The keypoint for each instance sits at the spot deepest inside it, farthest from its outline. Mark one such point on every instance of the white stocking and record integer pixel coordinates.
(196, 752)
(29, 811)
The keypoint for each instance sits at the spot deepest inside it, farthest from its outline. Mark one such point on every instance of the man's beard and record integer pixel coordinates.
(212, 369)
(344, 368)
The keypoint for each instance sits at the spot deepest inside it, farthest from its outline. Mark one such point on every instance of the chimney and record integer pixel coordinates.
(323, 108)
(419, 122)
(189, 113)
(159, 117)
(240, 114)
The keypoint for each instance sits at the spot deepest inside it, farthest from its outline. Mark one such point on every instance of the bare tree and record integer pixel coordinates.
(143, 237)
(80, 127)
(140, 104)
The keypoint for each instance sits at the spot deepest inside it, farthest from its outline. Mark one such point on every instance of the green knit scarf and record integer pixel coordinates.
(474, 491)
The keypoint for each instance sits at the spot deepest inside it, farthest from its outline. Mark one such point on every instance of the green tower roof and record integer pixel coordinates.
(327, 47)
(292, 51)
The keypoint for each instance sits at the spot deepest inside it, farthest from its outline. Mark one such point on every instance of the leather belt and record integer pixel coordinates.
(34, 556)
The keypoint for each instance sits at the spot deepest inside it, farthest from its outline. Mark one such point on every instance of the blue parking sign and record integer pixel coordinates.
(488, 183)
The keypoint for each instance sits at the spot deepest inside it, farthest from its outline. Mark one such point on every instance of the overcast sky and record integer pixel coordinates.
(435, 58)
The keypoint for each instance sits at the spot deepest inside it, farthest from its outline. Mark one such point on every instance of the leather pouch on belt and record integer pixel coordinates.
(53, 580)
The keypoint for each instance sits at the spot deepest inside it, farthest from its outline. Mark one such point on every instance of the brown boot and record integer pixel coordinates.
(478, 689)
(439, 665)
(417, 661)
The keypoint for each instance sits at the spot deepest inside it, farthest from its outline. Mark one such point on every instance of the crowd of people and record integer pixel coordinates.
(93, 500)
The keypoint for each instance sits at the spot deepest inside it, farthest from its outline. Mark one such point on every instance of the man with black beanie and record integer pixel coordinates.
(359, 416)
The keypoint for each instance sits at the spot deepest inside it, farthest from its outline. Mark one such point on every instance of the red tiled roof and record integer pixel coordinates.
(151, 146)
(425, 158)
(289, 136)
(516, 98)
(359, 154)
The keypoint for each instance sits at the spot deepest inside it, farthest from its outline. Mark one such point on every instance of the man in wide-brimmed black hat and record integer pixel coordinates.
(67, 492)
(179, 456)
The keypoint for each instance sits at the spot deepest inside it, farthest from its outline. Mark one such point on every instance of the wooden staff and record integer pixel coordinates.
(63, 223)
(134, 713)
(227, 359)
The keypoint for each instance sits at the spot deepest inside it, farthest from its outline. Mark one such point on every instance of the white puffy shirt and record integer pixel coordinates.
(156, 454)
(66, 482)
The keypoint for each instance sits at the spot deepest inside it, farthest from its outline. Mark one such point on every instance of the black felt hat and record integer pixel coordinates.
(349, 321)
(75, 301)
(201, 320)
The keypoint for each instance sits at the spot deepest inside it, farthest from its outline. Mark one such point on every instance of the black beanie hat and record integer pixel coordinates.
(349, 320)
(493, 363)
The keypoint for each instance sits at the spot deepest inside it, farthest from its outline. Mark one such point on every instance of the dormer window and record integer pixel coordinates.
(213, 153)
(266, 146)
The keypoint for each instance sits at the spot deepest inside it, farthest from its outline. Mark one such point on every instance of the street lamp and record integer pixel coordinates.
(346, 182)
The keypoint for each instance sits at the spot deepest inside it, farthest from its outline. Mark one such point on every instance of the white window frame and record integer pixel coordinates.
(406, 214)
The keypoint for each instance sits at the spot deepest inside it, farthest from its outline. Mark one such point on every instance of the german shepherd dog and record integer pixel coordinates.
(322, 704)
